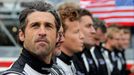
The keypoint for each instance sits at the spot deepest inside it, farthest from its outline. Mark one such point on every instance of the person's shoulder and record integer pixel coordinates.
(57, 70)
(11, 73)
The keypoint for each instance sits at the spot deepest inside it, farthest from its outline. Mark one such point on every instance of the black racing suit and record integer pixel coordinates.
(94, 61)
(30, 64)
(121, 56)
(112, 61)
(64, 62)
(79, 64)
(100, 61)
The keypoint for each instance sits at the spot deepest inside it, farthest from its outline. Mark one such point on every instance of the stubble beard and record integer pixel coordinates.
(44, 52)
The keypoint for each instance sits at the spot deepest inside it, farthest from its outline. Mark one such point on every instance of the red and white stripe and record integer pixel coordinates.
(106, 10)
(5, 63)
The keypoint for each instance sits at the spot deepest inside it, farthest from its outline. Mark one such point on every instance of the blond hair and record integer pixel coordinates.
(111, 31)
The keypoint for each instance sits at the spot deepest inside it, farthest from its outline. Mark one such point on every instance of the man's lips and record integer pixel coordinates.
(41, 41)
(82, 43)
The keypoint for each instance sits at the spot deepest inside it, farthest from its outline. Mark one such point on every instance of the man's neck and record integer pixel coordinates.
(108, 46)
(67, 52)
(87, 46)
(47, 59)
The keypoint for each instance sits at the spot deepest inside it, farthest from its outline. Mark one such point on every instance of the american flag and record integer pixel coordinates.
(111, 11)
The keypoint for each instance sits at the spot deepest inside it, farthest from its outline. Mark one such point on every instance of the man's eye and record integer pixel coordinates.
(48, 25)
(35, 25)
(88, 26)
(77, 31)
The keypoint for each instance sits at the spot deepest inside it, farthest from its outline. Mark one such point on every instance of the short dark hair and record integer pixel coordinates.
(100, 24)
(37, 6)
(84, 12)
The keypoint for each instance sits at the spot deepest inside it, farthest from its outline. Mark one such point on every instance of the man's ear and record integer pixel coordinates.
(58, 38)
(21, 35)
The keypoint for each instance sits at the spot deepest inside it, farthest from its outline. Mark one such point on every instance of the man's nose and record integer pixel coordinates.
(93, 30)
(42, 31)
(81, 35)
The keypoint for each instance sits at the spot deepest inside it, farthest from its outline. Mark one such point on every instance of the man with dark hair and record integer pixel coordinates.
(96, 50)
(38, 34)
(84, 58)
(91, 60)
(100, 31)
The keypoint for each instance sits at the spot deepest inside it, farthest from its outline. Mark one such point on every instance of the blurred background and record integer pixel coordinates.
(9, 11)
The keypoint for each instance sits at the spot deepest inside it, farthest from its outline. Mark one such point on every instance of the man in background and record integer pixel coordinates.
(120, 52)
(73, 37)
(80, 60)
